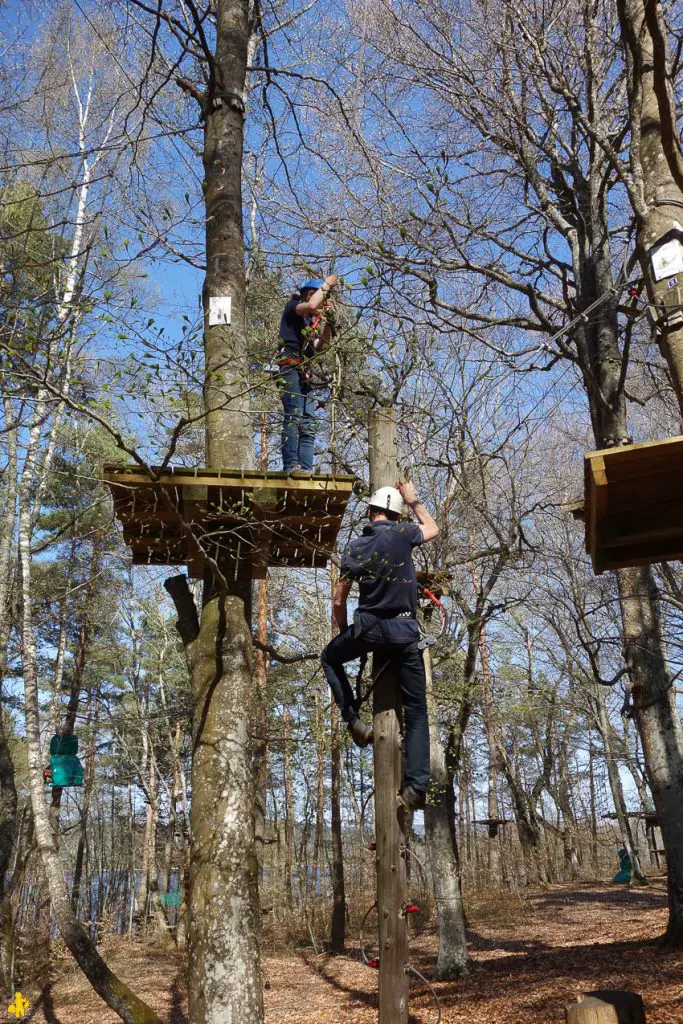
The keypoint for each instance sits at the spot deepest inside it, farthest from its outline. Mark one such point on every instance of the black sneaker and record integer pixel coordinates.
(412, 799)
(361, 733)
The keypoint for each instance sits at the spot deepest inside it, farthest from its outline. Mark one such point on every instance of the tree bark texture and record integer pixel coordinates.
(658, 722)
(656, 156)
(452, 961)
(616, 786)
(118, 996)
(338, 920)
(224, 974)
(229, 436)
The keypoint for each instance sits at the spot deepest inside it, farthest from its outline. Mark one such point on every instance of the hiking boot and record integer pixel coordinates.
(412, 799)
(300, 473)
(361, 733)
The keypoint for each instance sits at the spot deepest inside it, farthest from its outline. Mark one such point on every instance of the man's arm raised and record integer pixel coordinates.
(428, 524)
(339, 599)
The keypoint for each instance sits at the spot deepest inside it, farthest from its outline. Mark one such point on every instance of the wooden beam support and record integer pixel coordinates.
(389, 821)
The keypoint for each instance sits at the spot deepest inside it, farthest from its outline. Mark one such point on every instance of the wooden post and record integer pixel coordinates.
(609, 1007)
(389, 822)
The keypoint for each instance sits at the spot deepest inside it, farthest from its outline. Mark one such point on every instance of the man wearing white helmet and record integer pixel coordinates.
(381, 562)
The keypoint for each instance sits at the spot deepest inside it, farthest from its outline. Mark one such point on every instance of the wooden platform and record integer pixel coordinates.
(250, 520)
(634, 504)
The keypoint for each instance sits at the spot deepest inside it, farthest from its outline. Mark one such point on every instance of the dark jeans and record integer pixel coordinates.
(298, 427)
(407, 663)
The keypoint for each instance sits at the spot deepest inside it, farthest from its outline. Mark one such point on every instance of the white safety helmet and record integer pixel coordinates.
(387, 499)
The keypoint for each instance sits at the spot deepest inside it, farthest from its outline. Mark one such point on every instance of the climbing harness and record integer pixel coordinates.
(426, 640)
(429, 639)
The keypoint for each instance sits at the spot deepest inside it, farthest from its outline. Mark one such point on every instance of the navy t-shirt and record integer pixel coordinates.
(291, 328)
(381, 562)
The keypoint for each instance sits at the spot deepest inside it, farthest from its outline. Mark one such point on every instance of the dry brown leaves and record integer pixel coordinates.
(531, 955)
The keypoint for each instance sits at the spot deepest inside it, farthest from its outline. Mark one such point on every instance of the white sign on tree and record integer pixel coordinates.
(220, 310)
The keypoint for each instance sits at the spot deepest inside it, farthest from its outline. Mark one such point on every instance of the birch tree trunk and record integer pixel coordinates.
(117, 995)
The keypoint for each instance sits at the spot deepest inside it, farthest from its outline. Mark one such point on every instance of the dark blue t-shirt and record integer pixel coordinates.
(381, 562)
(291, 327)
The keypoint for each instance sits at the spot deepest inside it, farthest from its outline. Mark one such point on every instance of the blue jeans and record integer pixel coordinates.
(298, 427)
(406, 661)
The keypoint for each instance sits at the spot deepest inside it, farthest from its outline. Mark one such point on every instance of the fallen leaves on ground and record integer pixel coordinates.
(531, 954)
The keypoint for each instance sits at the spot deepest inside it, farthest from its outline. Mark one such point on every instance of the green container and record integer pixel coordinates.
(64, 745)
(66, 770)
(170, 899)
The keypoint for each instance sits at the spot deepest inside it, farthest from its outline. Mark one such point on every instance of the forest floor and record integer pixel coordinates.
(532, 953)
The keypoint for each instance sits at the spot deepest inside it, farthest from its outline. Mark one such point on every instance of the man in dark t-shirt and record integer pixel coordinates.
(381, 562)
(297, 345)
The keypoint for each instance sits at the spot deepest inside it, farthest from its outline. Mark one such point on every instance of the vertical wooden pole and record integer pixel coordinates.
(389, 822)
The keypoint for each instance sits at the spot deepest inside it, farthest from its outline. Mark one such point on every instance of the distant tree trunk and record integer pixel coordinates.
(615, 785)
(593, 807)
(495, 865)
(529, 827)
(453, 959)
(570, 849)
(289, 802)
(338, 920)
(260, 746)
(88, 783)
(261, 719)
(315, 881)
(148, 865)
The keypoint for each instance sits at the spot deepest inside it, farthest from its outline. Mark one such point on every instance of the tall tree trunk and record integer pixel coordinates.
(224, 974)
(289, 801)
(615, 785)
(117, 995)
(656, 191)
(338, 919)
(319, 838)
(8, 792)
(593, 805)
(88, 784)
(495, 863)
(659, 724)
(148, 865)
(453, 959)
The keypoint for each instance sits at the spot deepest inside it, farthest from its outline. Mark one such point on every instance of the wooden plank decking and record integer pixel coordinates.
(634, 504)
(249, 519)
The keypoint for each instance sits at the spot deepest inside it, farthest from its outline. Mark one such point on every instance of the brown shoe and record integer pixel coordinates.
(412, 799)
(361, 733)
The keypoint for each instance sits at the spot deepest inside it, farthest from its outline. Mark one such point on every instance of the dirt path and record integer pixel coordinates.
(530, 956)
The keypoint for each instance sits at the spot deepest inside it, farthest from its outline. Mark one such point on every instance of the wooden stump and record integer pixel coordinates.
(606, 1007)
